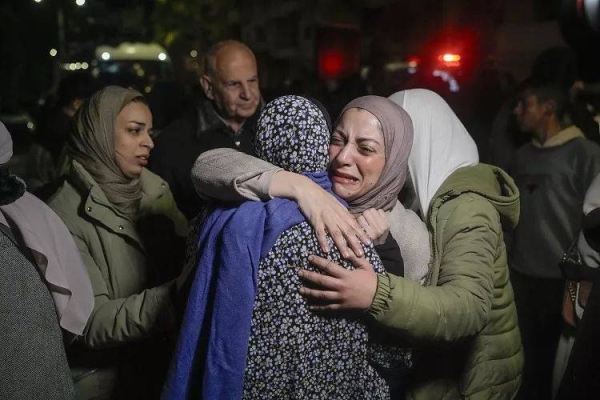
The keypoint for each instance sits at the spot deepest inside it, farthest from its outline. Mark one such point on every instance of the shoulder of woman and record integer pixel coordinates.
(157, 198)
(466, 211)
(67, 204)
(153, 185)
(66, 200)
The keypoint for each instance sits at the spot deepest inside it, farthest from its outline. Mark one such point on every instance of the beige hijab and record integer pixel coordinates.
(397, 137)
(91, 143)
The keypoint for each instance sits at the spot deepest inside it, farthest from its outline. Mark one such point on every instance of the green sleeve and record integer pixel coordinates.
(126, 319)
(460, 304)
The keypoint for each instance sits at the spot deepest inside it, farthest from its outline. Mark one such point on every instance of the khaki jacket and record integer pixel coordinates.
(463, 321)
(130, 301)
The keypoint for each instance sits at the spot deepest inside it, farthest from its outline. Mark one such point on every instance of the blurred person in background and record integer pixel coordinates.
(555, 66)
(131, 237)
(553, 172)
(224, 117)
(168, 101)
(52, 130)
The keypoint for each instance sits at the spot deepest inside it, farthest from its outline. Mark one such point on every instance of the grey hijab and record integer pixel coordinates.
(91, 143)
(397, 132)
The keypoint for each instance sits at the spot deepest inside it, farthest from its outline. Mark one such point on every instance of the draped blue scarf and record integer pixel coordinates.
(210, 357)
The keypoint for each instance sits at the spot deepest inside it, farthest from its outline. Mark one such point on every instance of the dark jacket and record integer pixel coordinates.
(180, 143)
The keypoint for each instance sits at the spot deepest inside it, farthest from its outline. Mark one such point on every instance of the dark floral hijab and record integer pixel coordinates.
(292, 133)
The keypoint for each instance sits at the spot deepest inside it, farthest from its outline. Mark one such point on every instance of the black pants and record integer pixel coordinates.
(539, 306)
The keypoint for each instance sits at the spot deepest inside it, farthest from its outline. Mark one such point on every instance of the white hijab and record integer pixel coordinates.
(441, 144)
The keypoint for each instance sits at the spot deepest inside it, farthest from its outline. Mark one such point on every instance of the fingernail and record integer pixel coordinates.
(310, 258)
(300, 272)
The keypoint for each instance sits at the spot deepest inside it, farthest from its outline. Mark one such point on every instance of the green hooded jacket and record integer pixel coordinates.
(463, 322)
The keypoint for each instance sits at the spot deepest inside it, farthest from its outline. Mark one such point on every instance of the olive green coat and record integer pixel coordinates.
(463, 322)
(132, 267)
(125, 308)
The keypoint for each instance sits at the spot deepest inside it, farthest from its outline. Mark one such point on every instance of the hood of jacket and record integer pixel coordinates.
(487, 181)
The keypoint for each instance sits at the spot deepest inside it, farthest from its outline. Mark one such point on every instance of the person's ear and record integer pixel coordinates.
(207, 86)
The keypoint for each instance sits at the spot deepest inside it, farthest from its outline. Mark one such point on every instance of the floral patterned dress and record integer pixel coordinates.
(296, 353)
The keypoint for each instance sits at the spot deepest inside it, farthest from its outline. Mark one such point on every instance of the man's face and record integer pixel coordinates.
(530, 113)
(234, 85)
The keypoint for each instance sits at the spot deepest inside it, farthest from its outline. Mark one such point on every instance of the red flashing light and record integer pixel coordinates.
(338, 51)
(331, 64)
(450, 59)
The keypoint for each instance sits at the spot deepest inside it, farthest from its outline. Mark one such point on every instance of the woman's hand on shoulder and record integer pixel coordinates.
(337, 288)
(375, 223)
(324, 212)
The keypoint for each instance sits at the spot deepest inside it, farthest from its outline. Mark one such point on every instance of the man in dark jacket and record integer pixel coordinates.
(224, 117)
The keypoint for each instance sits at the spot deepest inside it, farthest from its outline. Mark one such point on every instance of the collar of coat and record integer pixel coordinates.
(209, 119)
(97, 207)
(562, 137)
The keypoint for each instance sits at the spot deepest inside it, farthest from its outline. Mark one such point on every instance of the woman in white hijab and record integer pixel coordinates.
(463, 321)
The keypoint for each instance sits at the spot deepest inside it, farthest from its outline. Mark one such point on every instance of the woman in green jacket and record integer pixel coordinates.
(462, 321)
(131, 237)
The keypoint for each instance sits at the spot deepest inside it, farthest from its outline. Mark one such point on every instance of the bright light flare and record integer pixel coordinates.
(105, 56)
(38, 1)
(162, 56)
(448, 57)
(80, 2)
(53, 52)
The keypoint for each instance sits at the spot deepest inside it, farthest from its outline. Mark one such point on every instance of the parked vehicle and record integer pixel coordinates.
(138, 65)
